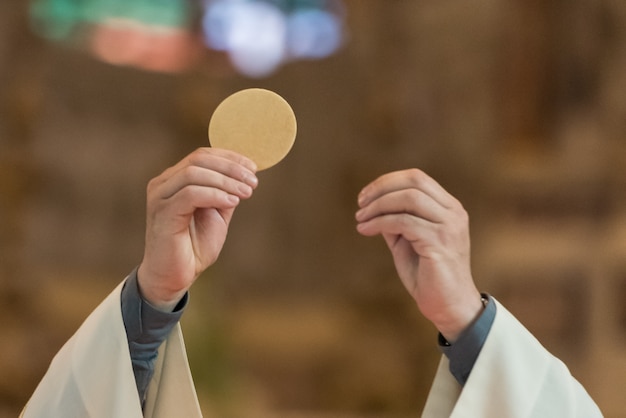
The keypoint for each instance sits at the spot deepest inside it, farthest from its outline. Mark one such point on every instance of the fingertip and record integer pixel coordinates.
(248, 163)
(232, 199)
(362, 228)
(359, 215)
(251, 180)
(362, 198)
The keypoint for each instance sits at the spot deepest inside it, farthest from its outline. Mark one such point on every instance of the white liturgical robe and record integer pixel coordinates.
(513, 376)
(92, 376)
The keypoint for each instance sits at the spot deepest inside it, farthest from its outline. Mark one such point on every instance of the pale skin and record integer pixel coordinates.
(190, 206)
(427, 232)
(189, 209)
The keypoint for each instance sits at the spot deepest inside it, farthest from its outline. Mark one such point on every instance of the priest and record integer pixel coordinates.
(128, 358)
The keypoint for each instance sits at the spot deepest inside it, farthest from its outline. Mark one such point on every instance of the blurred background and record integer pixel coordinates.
(518, 108)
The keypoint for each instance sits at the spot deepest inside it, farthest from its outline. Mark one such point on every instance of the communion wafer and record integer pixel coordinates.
(255, 122)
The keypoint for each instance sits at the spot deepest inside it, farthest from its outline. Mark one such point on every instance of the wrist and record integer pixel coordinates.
(157, 295)
(458, 319)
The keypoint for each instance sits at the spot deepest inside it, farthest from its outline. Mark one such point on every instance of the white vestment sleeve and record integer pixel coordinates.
(514, 376)
(92, 375)
(171, 392)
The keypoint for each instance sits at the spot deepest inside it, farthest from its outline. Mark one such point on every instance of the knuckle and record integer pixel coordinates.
(194, 157)
(190, 174)
(463, 215)
(416, 198)
(417, 176)
(152, 189)
(197, 155)
(151, 185)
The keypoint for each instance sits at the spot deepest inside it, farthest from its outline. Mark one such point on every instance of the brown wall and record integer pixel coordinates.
(518, 108)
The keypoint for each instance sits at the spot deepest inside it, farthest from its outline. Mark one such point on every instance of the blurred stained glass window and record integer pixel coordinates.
(258, 36)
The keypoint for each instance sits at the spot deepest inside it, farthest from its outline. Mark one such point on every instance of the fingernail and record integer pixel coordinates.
(232, 199)
(362, 197)
(245, 189)
(250, 179)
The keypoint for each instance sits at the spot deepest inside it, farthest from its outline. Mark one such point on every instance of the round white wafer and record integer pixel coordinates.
(255, 122)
